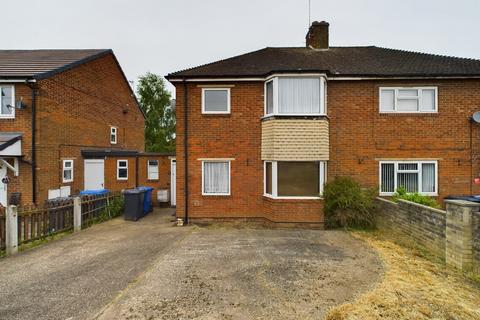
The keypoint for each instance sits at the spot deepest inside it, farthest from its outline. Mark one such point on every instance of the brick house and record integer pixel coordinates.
(69, 121)
(259, 134)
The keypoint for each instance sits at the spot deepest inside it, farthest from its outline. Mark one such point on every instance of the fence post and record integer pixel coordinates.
(77, 214)
(11, 230)
(459, 233)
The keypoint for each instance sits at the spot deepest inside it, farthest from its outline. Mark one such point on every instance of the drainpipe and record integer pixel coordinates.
(33, 87)
(185, 146)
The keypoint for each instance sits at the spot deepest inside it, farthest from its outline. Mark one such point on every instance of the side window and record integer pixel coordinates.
(122, 169)
(113, 135)
(408, 100)
(67, 171)
(7, 102)
(152, 169)
(216, 178)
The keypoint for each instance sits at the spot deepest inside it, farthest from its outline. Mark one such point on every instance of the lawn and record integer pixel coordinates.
(414, 286)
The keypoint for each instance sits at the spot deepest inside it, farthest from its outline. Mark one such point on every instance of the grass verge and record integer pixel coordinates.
(414, 286)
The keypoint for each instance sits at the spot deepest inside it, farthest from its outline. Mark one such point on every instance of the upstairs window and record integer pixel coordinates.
(122, 169)
(152, 169)
(413, 176)
(301, 96)
(7, 102)
(113, 135)
(408, 100)
(67, 171)
(216, 100)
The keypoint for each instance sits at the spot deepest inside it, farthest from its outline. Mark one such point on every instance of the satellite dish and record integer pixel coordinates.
(476, 117)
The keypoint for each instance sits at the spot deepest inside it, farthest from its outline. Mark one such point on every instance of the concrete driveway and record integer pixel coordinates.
(150, 270)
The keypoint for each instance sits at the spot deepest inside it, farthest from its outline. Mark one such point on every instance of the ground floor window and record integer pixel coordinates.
(67, 171)
(294, 179)
(216, 177)
(122, 169)
(152, 169)
(413, 176)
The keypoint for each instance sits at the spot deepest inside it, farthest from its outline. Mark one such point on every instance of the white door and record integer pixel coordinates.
(94, 174)
(3, 187)
(173, 183)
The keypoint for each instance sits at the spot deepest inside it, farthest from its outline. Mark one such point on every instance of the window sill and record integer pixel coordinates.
(294, 116)
(216, 194)
(7, 117)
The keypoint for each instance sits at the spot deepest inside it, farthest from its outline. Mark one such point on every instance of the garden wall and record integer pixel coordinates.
(452, 234)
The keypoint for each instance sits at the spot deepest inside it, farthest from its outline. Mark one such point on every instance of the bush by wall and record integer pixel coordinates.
(349, 205)
(401, 193)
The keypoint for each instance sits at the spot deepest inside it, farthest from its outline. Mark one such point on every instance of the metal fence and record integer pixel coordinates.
(37, 222)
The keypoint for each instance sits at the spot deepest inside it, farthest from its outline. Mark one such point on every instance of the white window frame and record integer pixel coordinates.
(12, 115)
(148, 170)
(419, 98)
(216, 89)
(274, 79)
(66, 169)
(419, 171)
(322, 179)
(118, 169)
(113, 132)
(229, 177)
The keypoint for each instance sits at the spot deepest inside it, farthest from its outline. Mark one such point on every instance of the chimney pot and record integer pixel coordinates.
(317, 36)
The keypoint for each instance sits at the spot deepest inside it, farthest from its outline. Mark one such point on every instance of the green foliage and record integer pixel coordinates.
(348, 205)
(401, 193)
(160, 118)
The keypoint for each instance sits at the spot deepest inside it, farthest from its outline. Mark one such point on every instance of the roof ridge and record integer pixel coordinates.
(217, 61)
(427, 54)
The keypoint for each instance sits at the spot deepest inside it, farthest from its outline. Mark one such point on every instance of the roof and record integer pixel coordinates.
(42, 63)
(368, 61)
(121, 152)
(8, 138)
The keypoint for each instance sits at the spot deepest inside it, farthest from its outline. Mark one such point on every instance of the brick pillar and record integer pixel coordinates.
(459, 233)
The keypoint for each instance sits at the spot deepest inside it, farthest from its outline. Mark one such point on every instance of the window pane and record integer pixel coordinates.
(409, 181)
(428, 100)
(216, 100)
(428, 177)
(67, 174)
(122, 173)
(122, 163)
(216, 177)
(387, 177)
(388, 100)
(407, 104)
(408, 93)
(6, 99)
(298, 179)
(152, 169)
(299, 95)
(68, 164)
(270, 97)
(268, 178)
(408, 166)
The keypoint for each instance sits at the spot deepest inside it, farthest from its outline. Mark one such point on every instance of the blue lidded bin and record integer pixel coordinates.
(147, 200)
(91, 192)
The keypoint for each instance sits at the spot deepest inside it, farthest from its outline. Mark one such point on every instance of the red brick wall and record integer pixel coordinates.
(75, 110)
(359, 136)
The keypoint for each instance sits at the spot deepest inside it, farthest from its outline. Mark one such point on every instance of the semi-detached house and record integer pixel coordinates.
(259, 134)
(69, 121)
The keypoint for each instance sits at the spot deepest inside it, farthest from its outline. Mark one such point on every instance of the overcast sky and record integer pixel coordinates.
(163, 36)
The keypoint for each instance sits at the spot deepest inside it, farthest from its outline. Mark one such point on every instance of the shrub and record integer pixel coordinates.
(401, 193)
(349, 205)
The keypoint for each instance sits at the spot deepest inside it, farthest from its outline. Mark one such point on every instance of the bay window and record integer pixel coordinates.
(216, 178)
(413, 176)
(294, 179)
(301, 96)
(408, 100)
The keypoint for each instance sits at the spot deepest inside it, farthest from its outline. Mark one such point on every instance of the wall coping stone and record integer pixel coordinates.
(462, 203)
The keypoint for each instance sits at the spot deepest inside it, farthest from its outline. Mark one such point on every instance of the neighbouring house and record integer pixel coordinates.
(69, 121)
(259, 134)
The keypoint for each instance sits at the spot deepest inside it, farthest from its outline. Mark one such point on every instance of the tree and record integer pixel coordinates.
(160, 118)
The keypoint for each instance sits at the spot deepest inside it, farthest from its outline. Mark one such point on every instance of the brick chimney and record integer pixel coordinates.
(317, 36)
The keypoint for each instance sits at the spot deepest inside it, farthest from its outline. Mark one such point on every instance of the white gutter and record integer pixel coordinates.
(17, 80)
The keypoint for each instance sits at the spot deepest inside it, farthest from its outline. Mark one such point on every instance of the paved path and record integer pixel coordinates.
(74, 277)
(151, 270)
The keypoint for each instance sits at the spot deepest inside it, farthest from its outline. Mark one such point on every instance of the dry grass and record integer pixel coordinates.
(413, 287)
